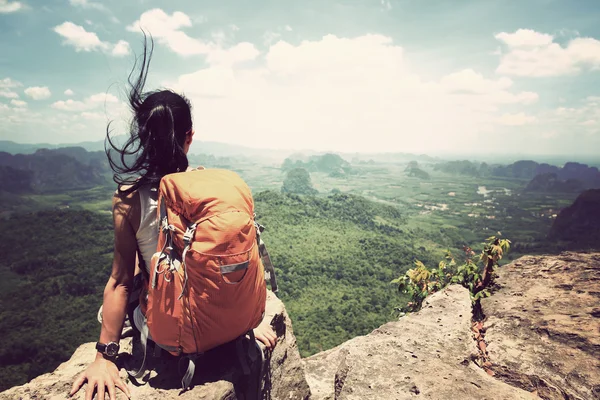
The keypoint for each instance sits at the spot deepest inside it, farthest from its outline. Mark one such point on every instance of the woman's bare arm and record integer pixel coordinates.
(103, 374)
(116, 292)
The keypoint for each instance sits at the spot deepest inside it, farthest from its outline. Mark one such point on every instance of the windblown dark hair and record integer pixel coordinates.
(157, 133)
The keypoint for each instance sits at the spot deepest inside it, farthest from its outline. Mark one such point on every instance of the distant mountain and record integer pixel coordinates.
(523, 169)
(580, 222)
(14, 180)
(462, 167)
(416, 172)
(398, 158)
(588, 176)
(198, 147)
(550, 183)
(52, 170)
(547, 177)
(30, 148)
(330, 163)
(219, 149)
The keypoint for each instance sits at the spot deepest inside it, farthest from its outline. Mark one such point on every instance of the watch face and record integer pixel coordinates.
(112, 349)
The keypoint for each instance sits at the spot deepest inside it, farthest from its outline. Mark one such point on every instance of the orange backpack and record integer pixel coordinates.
(207, 279)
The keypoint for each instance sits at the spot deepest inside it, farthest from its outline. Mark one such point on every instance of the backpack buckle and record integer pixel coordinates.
(189, 234)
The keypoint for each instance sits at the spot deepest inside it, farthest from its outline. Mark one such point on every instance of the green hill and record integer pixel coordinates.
(579, 224)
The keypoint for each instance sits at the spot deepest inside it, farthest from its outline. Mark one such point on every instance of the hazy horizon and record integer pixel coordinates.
(379, 76)
(499, 158)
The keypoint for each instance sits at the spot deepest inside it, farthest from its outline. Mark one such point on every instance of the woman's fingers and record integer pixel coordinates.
(89, 390)
(77, 384)
(111, 391)
(121, 385)
(101, 391)
(267, 335)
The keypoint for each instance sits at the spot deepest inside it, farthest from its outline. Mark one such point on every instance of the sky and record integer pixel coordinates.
(431, 77)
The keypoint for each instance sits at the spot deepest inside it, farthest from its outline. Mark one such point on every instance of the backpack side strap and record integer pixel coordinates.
(266, 258)
(186, 381)
(137, 374)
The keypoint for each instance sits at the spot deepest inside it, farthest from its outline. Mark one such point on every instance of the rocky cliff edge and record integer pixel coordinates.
(215, 376)
(539, 338)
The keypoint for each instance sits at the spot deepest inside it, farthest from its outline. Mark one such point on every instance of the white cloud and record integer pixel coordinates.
(357, 94)
(69, 92)
(78, 37)
(534, 54)
(566, 125)
(121, 48)
(386, 4)
(82, 40)
(92, 116)
(92, 102)
(70, 105)
(516, 119)
(9, 94)
(101, 98)
(270, 37)
(18, 103)
(167, 29)
(7, 7)
(467, 85)
(38, 92)
(239, 53)
(469, 81)
(8, 83)
(525, 38)
(6, 86)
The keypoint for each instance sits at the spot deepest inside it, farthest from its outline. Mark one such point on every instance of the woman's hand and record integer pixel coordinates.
(265, 333)
(100, 375)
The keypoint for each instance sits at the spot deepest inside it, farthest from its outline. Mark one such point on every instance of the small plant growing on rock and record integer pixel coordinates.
(475, 274)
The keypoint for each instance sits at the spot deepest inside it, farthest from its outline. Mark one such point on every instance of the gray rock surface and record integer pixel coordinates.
(542, 325)
(214, 379)
(426, 355)
(540, 339)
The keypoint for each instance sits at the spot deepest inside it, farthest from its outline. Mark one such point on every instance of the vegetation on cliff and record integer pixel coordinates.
(475, 274)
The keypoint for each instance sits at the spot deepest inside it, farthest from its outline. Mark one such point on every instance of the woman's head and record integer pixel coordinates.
(160, 133)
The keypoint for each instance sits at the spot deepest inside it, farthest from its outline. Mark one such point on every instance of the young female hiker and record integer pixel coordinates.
(162, 127)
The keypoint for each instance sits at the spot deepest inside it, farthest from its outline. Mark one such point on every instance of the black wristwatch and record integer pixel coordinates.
(110, 349)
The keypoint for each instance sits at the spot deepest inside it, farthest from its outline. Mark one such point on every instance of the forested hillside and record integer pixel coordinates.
(54, 267)
(53, 170)
(336, 257)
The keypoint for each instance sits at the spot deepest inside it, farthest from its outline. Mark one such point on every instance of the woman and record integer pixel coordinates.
(160, 137)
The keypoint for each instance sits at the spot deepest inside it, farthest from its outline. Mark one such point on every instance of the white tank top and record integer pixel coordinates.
(147, 239)
(147, 233)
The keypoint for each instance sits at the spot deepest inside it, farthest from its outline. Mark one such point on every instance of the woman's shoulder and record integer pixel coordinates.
(124, 198)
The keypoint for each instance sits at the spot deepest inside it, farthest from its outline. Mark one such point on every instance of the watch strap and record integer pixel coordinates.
(102, 348)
